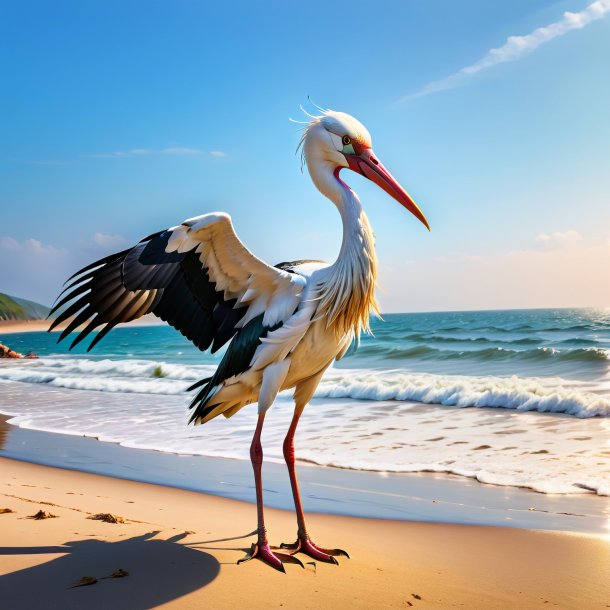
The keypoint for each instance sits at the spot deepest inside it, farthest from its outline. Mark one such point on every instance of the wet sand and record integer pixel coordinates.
(414, 497)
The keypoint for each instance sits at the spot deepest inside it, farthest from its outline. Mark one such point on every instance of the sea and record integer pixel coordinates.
(516, 398)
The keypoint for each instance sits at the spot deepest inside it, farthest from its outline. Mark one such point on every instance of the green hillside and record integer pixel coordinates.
(14, 308)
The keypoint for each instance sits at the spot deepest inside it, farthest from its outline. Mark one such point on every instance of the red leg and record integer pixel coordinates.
(261, 548)
(303, 543)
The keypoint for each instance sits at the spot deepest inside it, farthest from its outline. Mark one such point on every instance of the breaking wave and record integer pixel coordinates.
(545, 395)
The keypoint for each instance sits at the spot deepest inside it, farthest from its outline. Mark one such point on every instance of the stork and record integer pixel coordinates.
(286, 323)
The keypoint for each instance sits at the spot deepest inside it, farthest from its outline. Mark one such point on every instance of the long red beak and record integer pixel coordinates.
(367, 164)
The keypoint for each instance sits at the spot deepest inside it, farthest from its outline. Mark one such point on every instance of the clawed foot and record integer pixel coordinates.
(306, 546)
(275, 560)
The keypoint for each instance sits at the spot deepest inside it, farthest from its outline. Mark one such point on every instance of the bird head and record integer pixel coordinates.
(338, 140)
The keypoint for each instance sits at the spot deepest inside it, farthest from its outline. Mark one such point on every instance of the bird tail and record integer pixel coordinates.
(207, 388)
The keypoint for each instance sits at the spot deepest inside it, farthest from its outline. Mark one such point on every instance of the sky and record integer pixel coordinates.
(122, 118)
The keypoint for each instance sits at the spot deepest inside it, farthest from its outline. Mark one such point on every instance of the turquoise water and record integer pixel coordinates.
(547, 342)
(517, 398)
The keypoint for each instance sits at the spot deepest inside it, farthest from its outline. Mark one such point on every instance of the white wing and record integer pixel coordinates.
(236, 271)
(198, 277)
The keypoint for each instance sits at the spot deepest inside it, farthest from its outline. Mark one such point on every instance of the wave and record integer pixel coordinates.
(548, 396)
(579, 342)
(551, 395)
(139, 376)
(420, 337)
(496, 353)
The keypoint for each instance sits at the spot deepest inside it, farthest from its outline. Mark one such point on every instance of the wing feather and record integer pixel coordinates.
(197, 276)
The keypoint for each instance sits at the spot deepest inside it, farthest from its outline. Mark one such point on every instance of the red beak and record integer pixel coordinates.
(367, 164)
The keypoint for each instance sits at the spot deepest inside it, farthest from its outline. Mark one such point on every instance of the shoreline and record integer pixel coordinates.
(419, 496)
(179, 549)
(14, 327)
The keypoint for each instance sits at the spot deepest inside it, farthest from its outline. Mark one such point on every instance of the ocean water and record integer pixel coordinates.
(514, 398)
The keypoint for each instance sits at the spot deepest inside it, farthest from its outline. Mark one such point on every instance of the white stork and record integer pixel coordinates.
(286, 324)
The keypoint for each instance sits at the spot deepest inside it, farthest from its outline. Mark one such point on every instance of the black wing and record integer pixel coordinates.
(174, 286)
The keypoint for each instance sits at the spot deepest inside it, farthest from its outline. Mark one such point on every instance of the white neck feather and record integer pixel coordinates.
(348, 294)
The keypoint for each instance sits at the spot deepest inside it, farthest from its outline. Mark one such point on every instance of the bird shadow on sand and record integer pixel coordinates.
(159, 571)
(205, 545)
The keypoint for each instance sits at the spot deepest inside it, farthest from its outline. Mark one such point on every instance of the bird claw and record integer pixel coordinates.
(275, 560)
(307, 547)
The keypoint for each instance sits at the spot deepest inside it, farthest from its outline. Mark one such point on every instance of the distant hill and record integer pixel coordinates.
(14, 308)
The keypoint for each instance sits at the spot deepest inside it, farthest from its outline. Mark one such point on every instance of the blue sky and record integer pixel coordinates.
(122, 118)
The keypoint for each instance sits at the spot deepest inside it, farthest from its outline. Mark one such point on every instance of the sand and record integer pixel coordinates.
(22, 326)
(179, 549)
(25, 326)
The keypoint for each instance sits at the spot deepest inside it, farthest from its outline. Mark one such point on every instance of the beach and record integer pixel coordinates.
(11, 327)
(23, 326)
(461, 459)
(180, 551)
(331, 276)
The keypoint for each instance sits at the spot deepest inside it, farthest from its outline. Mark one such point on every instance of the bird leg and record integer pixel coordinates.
(303, 543)
(261, 549)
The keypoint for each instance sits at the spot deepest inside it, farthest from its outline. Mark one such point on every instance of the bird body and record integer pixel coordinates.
(285, 324)
(333, 307)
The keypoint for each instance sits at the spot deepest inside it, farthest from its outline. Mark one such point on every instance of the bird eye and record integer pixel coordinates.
(346, 140)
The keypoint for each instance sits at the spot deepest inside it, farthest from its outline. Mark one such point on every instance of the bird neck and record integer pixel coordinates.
(348, 295)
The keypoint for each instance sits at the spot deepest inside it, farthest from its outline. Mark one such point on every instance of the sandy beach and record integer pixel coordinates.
(179, 549)
(23, 326)
(8, 327)
(416, 539)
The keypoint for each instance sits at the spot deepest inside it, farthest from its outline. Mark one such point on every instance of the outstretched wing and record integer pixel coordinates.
(198, 277)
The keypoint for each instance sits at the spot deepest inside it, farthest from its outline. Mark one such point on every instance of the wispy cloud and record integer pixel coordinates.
(173, 151)
(561, 269)
(566, 239)
(32, 269)
(144, 152)
(108, 241)
(516, 47)
(32, 246)
(37, 161)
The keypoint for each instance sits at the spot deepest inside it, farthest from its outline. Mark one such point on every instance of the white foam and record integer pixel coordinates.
(546, 453)
(550, 395)
(140, 376)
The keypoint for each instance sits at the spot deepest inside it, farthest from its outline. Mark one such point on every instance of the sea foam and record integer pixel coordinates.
(545, 453)
(545, 395)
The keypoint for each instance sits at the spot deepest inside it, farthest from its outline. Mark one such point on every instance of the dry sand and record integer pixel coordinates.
(22, 326)
(179, 550)
(25, 326)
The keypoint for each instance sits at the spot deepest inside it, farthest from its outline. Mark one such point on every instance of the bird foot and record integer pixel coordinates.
(306, 546)
(263, 552)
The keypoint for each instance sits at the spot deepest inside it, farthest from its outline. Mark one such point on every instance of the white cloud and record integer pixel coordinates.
(558, 239)
(31, 268)
(9, 243)
(572, 271)
(181, 150)
(108, 241)
(516, 47)
(142, 152)
(171, 150)
(30, 245)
